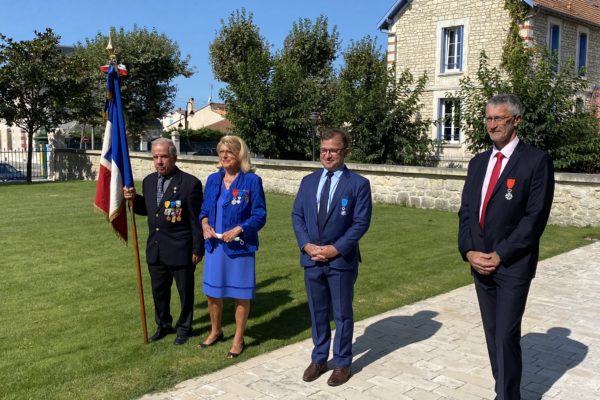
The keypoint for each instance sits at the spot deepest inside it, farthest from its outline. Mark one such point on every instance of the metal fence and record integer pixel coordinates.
(13, 164)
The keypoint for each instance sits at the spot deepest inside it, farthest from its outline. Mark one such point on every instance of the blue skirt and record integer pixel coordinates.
(224, 275)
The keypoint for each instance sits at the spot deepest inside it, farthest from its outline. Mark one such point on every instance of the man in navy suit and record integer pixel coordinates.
(505, 205)
(332, 211)
(172, 201)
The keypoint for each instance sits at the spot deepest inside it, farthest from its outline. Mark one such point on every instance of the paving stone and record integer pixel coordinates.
(420, 394)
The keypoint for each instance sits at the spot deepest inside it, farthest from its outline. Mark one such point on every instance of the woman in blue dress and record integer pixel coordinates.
(232, 213)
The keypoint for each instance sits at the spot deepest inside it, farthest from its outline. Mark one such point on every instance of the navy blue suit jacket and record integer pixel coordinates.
(250, 213)
(169, 243)
(513, 223)
(343, 228)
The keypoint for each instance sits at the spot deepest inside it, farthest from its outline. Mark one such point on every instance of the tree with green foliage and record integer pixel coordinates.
(553, 118)
(382, 111)
(153, 61)
(240, 57)
(34, 85)
(303, 82)
(86, 97)
(270, 96)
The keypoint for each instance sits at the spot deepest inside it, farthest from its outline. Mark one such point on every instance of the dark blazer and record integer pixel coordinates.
(344, 225)
(513, 225)
(169, 243)
(250, 213)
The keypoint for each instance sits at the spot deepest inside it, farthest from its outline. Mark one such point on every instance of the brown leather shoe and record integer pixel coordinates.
(339, 376)
(313, 371)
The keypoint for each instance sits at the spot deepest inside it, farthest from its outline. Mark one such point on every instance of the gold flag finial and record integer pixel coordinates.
(109, 47)
(111, 51)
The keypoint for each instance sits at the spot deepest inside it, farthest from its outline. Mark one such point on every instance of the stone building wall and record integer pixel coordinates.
(576, 200)
(568, 41)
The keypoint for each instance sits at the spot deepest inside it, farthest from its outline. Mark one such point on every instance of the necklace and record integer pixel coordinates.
(228, 180)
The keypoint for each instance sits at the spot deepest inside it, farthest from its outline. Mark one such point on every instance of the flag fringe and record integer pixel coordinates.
(107, 218)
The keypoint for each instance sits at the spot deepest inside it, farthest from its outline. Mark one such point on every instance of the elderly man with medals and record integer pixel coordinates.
(171, 200)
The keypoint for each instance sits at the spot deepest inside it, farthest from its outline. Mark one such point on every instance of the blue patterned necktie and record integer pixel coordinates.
(159, 189)
(323, 202)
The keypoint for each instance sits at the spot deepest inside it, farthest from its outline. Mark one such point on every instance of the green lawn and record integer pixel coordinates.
(70, 328)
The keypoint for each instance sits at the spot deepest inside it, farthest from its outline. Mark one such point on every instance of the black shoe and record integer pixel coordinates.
(161, 332)
(219, 338)
(231, 354)
(180, 339)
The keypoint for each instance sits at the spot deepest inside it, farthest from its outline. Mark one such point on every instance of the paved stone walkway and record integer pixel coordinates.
(435, 349)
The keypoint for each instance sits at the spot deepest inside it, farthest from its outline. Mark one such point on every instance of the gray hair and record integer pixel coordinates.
(510, 100)
(168, 142)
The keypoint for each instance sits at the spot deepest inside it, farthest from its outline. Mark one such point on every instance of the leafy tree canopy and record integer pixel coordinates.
(270, 96)
(153, 61)
(34, 84)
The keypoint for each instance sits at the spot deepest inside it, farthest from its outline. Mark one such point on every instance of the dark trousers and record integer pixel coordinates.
(329, 288)
(502, 302)
(161, 277)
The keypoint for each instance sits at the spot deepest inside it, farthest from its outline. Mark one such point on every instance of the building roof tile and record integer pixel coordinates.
(584, 10)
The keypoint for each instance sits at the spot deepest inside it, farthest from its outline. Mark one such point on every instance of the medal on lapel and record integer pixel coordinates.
(167, 211)
(178, 210)
(235, 199)
(344, 204)
(510, 183)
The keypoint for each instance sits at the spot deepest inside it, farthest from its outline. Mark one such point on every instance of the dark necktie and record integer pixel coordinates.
(323, 201)
(159, 189)
(491, 186)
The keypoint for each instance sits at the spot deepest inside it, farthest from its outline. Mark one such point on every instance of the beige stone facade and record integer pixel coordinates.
(570, 29)
(419, 30)
(576, 200)
(417, 41)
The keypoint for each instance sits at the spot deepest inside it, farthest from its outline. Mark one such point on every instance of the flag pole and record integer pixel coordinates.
(138, 270)
(136, 250)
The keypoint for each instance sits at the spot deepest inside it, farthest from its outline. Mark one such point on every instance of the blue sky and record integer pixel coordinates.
(192, 24)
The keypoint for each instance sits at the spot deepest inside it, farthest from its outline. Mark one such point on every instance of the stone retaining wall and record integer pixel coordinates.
(576, 199)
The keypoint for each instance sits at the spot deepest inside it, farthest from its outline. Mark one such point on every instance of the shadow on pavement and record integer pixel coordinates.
(547, 357)
(389, 334)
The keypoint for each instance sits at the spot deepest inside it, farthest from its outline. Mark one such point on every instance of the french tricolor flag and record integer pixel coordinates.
(115, 169)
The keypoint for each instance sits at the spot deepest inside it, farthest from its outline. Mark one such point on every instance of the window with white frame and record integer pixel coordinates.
(452, 49)
(554, 43)
(449, 117)
(582, 50)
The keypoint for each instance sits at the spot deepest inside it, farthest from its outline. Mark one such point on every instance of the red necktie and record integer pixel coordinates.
(491, 185)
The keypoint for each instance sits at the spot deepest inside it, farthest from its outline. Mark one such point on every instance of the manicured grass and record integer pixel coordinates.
(70, 328)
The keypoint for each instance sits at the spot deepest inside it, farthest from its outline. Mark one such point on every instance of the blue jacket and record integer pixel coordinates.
(250, 212)
(347, 221)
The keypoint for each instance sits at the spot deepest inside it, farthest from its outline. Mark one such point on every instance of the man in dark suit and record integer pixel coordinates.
(172, 201)
(332, 211)
(505, 205)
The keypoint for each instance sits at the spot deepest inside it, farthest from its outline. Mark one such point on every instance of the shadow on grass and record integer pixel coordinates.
(546, 358)
(264, 303)
(389, 334)
(287, 324)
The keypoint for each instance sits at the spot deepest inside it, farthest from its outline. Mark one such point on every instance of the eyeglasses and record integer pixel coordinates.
(323, 150)
(229, 153)
(497, 120)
